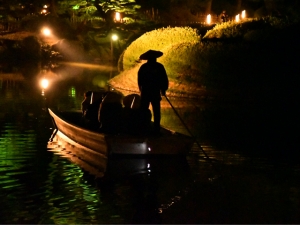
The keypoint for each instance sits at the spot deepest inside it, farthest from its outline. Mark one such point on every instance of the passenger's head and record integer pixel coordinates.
(88, 94)
(132, 101)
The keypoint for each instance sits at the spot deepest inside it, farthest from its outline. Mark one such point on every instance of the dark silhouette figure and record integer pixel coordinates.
(86, 102)
(109, 112)
(224, 17)
(153, 82)
(89, 107)
(134, 120)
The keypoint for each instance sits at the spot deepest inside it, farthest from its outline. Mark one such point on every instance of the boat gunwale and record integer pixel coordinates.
(111, 139)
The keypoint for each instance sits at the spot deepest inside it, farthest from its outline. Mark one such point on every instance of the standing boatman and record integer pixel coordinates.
(153, 83)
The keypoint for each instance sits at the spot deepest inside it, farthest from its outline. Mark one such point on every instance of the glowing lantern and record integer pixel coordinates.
(243, 14)
(118, 16)
(237, 18)
(46, 31)
(208, 19)
(44, 83)
(114, 37)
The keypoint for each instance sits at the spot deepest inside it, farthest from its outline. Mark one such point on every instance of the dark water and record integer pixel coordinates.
(252, 177)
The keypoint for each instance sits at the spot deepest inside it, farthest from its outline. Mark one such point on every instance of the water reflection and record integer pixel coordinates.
(153, 184)
(142, 188)
(260, 129)
(237, 186)
(88, 159)
(70, 199)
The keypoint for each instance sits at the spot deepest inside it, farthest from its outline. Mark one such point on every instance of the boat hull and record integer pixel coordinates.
(168, 143)
(89, 160)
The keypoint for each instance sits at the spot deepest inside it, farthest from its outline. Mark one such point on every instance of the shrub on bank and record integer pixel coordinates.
(232, 29)
(159, 39)
(261, 61)
(262, 58)
(180, 61)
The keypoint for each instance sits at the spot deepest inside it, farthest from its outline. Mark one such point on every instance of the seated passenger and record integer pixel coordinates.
(86, 102)
(109, 112)
(134, 120)
(132, 101)
(89, 107)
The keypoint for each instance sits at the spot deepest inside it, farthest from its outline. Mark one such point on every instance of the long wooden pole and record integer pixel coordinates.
(186, 127)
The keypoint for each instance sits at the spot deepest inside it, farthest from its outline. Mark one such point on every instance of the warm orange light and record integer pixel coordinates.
(114, 37)
(46, 31)
(243, 14)
(118, 16)
(208, 19)
(44, 83)
(237, 18)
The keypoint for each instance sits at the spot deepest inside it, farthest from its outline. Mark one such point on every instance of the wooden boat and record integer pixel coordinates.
(98, 165)
(168, 143)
